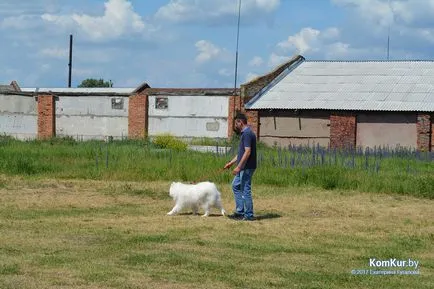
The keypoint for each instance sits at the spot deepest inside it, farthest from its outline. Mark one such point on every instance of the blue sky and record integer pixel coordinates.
(191, 43)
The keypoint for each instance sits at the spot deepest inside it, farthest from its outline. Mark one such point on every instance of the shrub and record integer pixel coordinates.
(167, 141)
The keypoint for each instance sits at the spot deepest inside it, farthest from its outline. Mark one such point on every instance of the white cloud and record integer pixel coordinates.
(385, 12)
(331, 33)
(250, 76)
(212, 11)
(276, 59)
(302, 42)
(119, 19)
(27, 8)
(410, 22)
(54, 52)
(19, 22)
(377, 11)
(310, 41)
(337, 50)
(225, 72)
(256, 61)
(61, 20)
(45, 67)
(84, 72)
(208, 51)
(426, 33)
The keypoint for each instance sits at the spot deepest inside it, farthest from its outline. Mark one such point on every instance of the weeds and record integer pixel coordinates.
(383, 170)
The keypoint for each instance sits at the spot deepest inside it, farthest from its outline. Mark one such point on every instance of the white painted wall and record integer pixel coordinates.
(190, 116)
(18, 116)
(91, 117)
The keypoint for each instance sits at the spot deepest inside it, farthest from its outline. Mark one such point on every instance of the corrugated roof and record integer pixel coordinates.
(192, 91)
(352, 85)
(90, 90)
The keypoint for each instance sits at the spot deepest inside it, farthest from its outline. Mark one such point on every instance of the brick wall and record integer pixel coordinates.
(234, 106)
(237, 105)
(250, 89)
(342, 130)
(138, 116)
(253, 120)
(424, 127)
(46, 116)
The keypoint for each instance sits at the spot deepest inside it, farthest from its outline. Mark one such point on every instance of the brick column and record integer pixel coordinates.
(342, 130)
(46, 116)
(253, 120)
(234, 107)
(138, 116)
(423, 132)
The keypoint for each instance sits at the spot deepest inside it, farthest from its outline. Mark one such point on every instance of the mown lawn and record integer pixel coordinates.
(74, 233)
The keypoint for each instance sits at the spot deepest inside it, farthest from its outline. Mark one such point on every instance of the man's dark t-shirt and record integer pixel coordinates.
(248, 139)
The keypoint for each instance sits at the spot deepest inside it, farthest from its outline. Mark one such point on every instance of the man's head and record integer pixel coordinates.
(240, 122)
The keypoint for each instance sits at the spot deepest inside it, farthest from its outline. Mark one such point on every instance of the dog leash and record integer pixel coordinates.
(208, 176)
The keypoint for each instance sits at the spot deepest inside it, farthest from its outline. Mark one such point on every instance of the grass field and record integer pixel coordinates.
(76, 233)
(377, 171)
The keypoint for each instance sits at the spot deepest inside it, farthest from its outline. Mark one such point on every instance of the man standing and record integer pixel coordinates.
(246, 165)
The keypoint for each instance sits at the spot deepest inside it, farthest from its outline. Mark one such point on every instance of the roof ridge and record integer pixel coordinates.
(373, 60)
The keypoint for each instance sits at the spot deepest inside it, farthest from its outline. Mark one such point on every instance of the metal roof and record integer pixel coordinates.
(90, 90)
(352, 85)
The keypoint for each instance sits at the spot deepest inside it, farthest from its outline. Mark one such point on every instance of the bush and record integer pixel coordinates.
(167, 141)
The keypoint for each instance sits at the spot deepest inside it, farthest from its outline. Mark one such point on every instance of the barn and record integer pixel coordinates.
(347, 104)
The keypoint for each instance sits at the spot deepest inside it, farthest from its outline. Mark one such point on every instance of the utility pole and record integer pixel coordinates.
(70, 61)
(238, 39)
(388, 31)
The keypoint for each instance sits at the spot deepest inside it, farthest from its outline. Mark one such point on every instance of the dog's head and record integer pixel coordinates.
(173, 189)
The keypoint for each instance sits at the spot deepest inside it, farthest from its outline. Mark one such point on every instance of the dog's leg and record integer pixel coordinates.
(174, 211)
(195, 209)
(206, 209)
(220, 207)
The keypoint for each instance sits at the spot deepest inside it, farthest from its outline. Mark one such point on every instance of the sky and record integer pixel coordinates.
(192, 43)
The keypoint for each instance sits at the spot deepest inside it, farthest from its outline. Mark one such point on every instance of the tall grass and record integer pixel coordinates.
(376, 170)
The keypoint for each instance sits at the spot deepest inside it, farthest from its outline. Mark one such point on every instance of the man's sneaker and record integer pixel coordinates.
(236, 216)
(249, 219)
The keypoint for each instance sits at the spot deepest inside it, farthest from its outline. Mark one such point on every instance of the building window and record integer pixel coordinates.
(117, 103)
(161, 103)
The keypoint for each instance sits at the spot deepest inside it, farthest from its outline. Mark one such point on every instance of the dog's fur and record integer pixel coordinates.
(205, 195)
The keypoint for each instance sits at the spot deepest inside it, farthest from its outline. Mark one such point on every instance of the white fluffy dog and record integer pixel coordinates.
(203, 194)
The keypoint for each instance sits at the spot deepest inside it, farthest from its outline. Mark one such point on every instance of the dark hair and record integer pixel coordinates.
(242, 117)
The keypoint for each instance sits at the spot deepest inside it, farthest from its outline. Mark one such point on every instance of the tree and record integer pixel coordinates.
(93, 82)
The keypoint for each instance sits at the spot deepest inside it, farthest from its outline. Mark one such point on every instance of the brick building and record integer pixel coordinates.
(181, 112)
(331, 103)
(115, 113)
(345, 104)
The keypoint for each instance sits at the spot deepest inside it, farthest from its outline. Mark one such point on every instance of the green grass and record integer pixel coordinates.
(142, 161)
(115, 234)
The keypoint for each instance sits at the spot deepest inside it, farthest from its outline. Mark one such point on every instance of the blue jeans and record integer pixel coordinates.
(242, 188)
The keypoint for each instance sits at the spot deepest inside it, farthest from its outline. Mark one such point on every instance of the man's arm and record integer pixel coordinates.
(247, 152)
(231, 163)
(245, 157)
